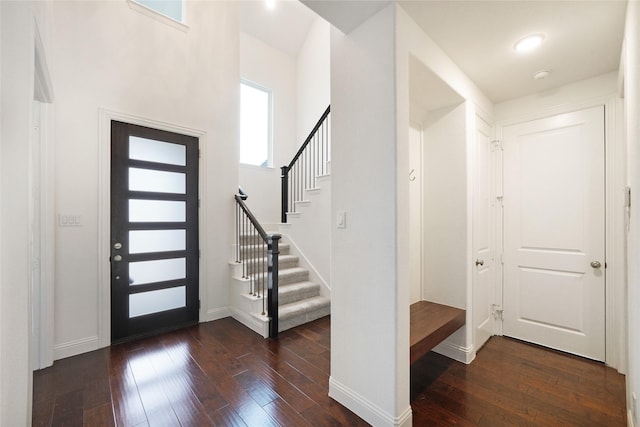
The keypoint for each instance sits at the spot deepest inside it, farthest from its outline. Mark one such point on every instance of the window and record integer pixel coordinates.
(255, 125)
(169, 8)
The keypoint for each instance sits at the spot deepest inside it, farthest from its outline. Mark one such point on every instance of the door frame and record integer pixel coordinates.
(104, 212)
(615, 180)
(478, 114)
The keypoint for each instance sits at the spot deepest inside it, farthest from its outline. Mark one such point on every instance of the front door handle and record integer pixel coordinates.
(596, 264)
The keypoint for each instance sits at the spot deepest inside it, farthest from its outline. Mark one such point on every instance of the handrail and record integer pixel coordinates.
(309, 162)
(254, 266)
(310, 137)
(252, 218)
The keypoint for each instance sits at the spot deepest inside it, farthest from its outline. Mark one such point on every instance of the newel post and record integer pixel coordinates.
(285, 194)
(272, 294)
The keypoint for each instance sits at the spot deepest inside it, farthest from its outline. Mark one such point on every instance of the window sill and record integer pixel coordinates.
(256, 167)
(158, 16)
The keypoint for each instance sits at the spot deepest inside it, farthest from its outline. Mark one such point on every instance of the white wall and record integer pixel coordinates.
(107, 55)
(631, 63)
(369, 304)
(18, 26)
(314, 78)
(556, 100)
(445, 207)
(275, 70)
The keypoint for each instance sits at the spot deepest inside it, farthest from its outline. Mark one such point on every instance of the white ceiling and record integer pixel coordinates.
(284, 27)
(583, 38)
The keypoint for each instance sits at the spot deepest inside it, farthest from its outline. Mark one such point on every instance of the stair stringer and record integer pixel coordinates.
(303, 261)
(309, 230)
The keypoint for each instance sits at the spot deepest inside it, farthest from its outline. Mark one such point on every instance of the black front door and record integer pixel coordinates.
(154, 231)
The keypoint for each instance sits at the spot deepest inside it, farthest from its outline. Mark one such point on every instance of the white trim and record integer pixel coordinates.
(104, 202)
(72, 348)
(366, 409)
(160, 17)
(303, 261)
(457, 352)
(216, 314)
(615, 176)
(629, 418)
(43, 95)
(43, 88)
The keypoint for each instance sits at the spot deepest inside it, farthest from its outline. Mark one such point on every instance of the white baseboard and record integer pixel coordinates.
(73, 348)
(256, 325)
(365, 409)
(456, 352)
(216, 313)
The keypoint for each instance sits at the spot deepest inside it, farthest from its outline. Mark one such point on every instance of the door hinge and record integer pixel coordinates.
(198, 203)
(199, 253)
(199, 304)
(198, 153)
(497, 312)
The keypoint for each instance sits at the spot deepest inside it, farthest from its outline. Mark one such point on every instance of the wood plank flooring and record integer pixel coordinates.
(512, 383)
(221, 374)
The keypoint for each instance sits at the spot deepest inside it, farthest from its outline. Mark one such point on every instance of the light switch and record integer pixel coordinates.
(341, 219)
(66, 220)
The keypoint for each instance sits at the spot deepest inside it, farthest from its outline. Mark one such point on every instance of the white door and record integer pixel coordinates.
(554, 221)
(415, 210)
(483, 235)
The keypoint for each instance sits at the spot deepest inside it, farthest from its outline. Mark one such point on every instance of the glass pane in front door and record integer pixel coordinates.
(154, 231)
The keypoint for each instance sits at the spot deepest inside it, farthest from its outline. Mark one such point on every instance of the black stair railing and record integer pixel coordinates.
(258, 253)
(310, 161)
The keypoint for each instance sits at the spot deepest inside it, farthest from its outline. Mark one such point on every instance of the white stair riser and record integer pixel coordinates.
(287, 297)
(301, 319)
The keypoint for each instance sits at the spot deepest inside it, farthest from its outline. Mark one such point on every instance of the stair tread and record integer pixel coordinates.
(281, 257)
(296, 286)
(292, 270)
(294, 308)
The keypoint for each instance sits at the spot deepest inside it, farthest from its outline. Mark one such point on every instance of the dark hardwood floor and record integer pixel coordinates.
(220, 373)
(512, 383)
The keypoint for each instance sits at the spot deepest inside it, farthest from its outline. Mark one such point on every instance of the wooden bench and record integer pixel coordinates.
(431, 324)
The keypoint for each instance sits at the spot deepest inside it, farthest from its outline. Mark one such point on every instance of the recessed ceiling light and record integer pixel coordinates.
(541, 74)
(529, 43)
(271, 4)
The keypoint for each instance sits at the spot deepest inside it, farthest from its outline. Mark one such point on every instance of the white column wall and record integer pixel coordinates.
(631, 65)
(370, 329)
(18, 22)
(109, 56)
